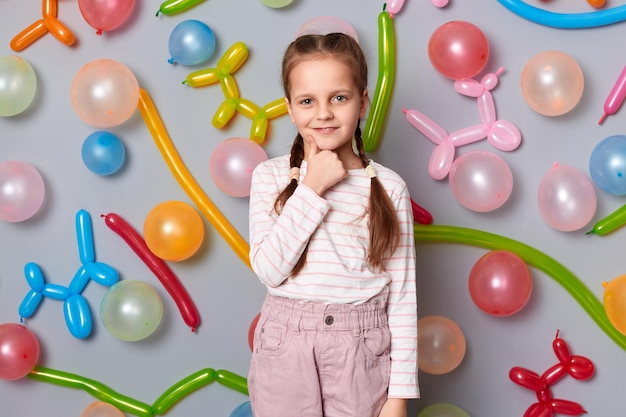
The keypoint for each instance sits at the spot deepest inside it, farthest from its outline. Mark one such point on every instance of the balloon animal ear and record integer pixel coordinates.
(324, 25)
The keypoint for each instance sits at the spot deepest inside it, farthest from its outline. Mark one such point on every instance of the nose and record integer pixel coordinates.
(324, 112)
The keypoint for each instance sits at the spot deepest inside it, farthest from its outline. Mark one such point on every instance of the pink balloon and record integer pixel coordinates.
(105, 15)
(323, 25)
(567, 200)
(481, 181)
(552, 83)
(22, 191)
(441, 345)
(19, 351)
(232, 163)
(458, 50)
(500, 283)
(104, 93)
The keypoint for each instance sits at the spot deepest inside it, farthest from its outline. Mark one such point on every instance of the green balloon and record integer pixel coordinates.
(276, 4)
(18, 85)
(442, 410)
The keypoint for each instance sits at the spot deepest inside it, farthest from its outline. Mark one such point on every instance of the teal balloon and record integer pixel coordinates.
(191, 42)
(443, 410)
(18, 85)
(103, 153)
(607, 165)
(242, 410)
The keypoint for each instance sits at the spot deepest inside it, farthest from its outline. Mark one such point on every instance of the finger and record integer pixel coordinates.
(313, 149)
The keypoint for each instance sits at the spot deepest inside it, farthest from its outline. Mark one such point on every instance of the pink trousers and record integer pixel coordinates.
(319, 360)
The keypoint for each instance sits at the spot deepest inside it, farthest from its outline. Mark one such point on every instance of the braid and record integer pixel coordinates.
(383, 222)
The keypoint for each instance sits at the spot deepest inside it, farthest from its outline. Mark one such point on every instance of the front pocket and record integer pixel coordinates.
(272, 337)
(377, 343)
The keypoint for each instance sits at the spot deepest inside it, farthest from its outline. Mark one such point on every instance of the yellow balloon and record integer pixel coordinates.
(173, 231)
(615, 303)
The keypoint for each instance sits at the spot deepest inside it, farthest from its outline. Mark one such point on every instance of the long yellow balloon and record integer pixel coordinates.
(185, 179)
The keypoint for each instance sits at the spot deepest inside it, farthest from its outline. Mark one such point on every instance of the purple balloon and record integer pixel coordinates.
(22, 191)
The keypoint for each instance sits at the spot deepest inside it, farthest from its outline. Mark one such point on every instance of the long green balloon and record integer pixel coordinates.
(533, 257)
(96, 389)
(182, 388)
(384, 85)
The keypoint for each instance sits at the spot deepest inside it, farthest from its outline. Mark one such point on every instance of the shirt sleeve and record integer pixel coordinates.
(402, 306)
(278, 240)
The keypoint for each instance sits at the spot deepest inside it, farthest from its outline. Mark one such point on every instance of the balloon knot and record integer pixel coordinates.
(557, 333)
(605, 284)
(98, 32)
(170, 61)
(157, 13)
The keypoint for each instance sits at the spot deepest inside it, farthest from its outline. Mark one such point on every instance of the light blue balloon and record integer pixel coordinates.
(607, 165)
(242, 410)
(103, 153)
(191, 42)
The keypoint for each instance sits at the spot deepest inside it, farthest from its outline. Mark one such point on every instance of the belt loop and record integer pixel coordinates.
(355, 322)
(295, 315)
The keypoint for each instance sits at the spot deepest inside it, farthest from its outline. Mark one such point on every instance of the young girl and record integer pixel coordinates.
(331, 236)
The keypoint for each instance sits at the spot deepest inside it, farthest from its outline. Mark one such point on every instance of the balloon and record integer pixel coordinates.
(441, 345)
(481, 181)
(104, 93)
(18, 85)
(105, 15)
(232, 163)
(323, 25)
(95, 388)
(101, 409)
(500, 283)
(19, 351)
(230, 62)
(77, 316)
(563, 276)
(615, 303)
(160, 269)
(170, 7)
(84, 236)
(552, 83)
(191, 42)
(610, 223)
(161, 138)
(22, 191)
(458, 50)
(616, 96)
(567, 200)
(232, 380)
(276, 4)
(607, 165)
(173, 231)
(566, 20)
(48, 23)
(394, 7)
(420, 214)
(131, 310)
(182, 388)
(242, 410)
(251, 330)
(384, 83)
(103, 153)
(442, 410)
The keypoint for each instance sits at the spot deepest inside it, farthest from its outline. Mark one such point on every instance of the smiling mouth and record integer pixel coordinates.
(325, 130)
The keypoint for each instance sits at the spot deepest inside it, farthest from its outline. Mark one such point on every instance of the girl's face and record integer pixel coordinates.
(325, 104)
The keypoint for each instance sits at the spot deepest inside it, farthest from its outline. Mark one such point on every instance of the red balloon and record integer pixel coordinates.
(561, 350)
(160, 269)
(554, 373)
(580, 368)
(527, 379)
(105, 15)
(539, 410)
(458, 50)
(19, 351)
(500, 283)
(251, 330)
(567, 407)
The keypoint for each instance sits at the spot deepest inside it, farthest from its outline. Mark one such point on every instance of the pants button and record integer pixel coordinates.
(329, 320)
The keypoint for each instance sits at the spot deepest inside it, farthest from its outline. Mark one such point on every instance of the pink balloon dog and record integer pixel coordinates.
(502, 134)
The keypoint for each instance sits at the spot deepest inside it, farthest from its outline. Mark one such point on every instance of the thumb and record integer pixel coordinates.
(313, 149)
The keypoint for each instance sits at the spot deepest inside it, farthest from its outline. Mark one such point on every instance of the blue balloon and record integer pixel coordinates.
(77, 316)
(242, 410)
(191, 42)
(607, 165)
(103, 153)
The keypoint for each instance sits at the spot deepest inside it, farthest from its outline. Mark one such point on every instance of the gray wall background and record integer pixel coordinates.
(228, 296)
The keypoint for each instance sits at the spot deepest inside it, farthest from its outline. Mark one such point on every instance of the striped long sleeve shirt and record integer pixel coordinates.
(335, 227)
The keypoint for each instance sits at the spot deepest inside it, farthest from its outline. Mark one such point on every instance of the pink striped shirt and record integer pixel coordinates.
(336, 269)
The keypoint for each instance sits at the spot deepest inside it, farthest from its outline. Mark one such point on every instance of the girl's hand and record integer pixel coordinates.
(324, 168)
(394, 407)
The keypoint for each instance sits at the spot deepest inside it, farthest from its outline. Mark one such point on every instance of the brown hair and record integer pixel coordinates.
(383, 221)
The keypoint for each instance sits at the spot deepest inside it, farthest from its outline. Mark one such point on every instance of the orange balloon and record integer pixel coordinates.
(615, 303)
(101, 409)
(29, 35)
(173, 231)
(441, 345)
